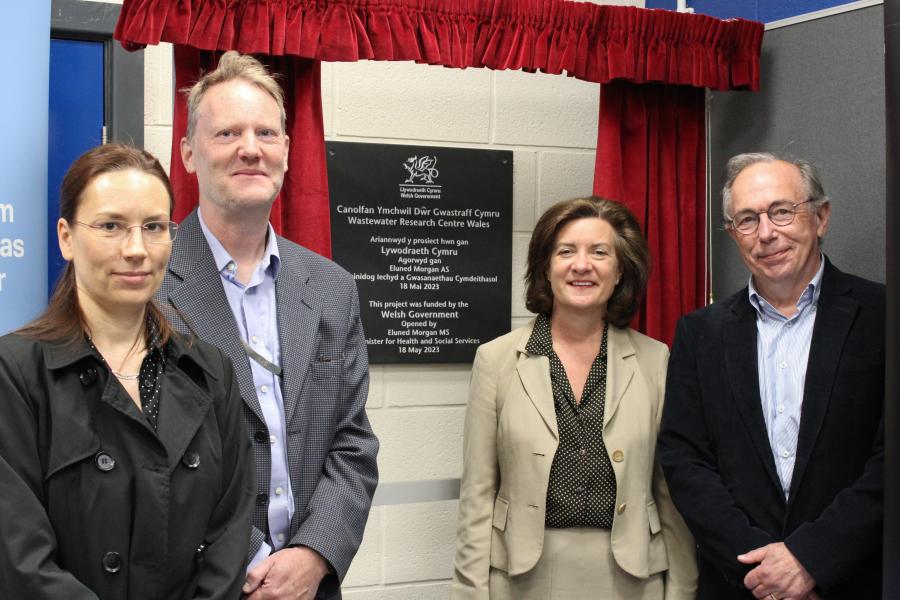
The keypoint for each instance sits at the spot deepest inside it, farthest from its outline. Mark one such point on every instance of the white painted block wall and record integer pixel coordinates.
(550, 123)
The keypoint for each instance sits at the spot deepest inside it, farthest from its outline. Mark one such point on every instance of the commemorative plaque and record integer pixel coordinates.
(427, 234)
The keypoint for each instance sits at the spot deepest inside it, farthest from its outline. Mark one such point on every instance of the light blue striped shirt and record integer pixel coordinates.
(255, 311)
(782, 348)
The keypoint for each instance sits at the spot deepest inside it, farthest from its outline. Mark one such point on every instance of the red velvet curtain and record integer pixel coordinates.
(588, 41)
(650, 152)
(651, 156)
(301, 212)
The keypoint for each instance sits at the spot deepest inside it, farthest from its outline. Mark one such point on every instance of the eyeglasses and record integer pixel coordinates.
(154, 232)
(780, 213)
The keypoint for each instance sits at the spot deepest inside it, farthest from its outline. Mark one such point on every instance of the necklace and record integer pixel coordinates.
(119, 374)
(125, 376)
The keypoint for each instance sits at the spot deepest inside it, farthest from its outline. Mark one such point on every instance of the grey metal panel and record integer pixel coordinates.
(892, 339)
(822, 99)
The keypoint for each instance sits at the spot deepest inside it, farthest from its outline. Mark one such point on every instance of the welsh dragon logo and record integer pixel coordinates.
(421, 168)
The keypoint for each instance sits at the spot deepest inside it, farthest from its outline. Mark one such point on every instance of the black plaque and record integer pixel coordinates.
(427, 233)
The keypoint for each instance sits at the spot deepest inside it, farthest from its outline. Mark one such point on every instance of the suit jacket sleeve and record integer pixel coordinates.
(478, 488)
(222, 570)
(28, 567)
(339, 507)
(720, 528)
(832, 546)
(681, 577)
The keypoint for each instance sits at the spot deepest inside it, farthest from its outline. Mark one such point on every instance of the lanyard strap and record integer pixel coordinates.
(262, 360)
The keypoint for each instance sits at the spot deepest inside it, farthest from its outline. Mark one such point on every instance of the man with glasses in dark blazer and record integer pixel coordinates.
(289, 320)
(772, 435)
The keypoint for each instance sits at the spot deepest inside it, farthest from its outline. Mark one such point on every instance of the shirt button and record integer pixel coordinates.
(264, 389)
(618, 456)
(780, 409)
(280, 537)
(782, 365)
(621, 508)
(785, 454)
(254, 339)
(279, 490)
(790, 324)
(272, 439)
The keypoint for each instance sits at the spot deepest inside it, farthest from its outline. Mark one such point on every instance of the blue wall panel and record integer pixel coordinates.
(25, 46)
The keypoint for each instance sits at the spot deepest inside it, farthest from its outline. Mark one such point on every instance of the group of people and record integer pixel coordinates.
(749, 464)
(187, 418)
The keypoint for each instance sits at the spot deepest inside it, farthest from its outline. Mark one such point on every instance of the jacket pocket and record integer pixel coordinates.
(501, 512)
(653, 516)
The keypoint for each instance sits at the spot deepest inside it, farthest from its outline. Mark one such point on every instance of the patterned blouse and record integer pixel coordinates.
(582, 488)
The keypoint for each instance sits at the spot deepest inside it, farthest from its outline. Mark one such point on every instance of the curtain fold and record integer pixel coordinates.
(592, 42)
(651, 156)
(301, 211)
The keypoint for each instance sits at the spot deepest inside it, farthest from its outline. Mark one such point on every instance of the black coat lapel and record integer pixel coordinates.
(834, 317)
(743, 374)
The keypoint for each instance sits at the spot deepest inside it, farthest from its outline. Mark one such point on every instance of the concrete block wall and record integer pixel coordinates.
(550, 123)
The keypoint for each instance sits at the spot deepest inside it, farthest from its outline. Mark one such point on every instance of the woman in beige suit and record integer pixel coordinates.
(561, 496)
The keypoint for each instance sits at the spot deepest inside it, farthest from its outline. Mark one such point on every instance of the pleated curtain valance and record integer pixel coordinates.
(588, 41)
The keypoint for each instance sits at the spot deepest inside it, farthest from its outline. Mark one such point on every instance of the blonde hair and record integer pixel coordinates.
(233, 65)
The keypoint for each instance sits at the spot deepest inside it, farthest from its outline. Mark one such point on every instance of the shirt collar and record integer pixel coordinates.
(270, 259)
(809, 297)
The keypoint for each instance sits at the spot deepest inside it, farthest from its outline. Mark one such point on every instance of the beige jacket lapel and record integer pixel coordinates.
(534, 373)
(619, 370)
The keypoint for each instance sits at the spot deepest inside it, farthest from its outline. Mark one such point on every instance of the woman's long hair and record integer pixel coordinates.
(63, 320)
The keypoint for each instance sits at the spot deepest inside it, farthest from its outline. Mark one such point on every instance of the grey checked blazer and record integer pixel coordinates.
(331, 446)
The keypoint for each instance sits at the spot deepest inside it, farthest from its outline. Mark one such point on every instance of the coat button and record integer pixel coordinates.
(260, 437)
(112, 562)
(104, 461)
(618, 456)
(191, 459)
(621, 508)
(88, 376)
(262, 499)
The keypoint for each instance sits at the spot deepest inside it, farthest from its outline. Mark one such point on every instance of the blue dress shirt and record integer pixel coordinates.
(782, 349)
(254, 310)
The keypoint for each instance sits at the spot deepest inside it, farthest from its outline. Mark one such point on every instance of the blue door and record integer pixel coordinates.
(76, 123)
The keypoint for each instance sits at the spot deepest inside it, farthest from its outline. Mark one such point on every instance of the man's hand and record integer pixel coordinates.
(291, 573)
(779, 574)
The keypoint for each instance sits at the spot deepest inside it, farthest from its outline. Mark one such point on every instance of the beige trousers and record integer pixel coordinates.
(576, 564)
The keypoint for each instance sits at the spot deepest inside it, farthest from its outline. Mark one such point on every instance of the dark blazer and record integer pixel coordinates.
(96, 504)
(331, 446)
(715, 451)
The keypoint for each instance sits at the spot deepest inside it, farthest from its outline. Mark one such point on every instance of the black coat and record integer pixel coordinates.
(94, 503)
(715, 451)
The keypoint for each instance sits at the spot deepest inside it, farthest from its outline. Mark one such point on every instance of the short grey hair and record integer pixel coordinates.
(233, 65)
(815, 193)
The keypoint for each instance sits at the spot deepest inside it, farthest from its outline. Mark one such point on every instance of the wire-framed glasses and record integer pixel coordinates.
(780, 213)
(152, 232)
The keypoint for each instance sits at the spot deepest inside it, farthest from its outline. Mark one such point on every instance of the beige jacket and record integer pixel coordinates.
(511, 438)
